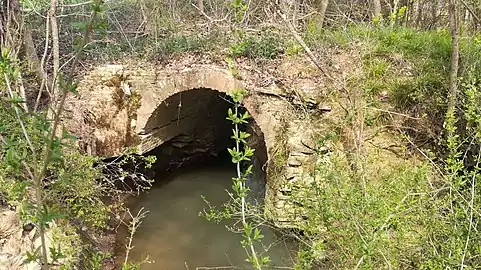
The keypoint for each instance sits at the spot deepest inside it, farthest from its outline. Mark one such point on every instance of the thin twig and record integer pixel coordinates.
(21, 91)
(243, 199)
(17, 114)
(208, 17)
(42, 63)
(359, 263)
(133, 226)
(65, 91)
(48, 153)
(55, 47)
(121, 30)
(470, 10)
(302, 43)
(77, 4)
(218, 268)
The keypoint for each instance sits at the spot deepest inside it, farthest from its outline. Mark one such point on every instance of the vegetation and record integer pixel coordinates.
(416, 88)
(44, 175)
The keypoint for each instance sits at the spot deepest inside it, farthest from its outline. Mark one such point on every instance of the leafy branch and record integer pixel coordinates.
(52, 151)
(251, 234)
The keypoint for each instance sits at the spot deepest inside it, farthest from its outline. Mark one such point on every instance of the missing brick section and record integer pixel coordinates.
(193, 131)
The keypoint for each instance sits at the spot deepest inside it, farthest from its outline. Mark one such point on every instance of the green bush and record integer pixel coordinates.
(264, 46)
(418, 216)
(49, 181)
(426, 53)
(181, 44)
(373, 221)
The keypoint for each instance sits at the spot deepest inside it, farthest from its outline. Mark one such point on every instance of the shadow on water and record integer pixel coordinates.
(175, 237)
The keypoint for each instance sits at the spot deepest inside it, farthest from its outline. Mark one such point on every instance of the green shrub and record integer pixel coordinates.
(264, 46)
(405, 216)
(373, 221)
(181, 44)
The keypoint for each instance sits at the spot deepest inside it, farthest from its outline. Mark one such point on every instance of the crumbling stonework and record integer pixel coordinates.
(144, 107)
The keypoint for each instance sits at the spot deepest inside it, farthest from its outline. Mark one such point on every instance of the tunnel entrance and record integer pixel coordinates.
(193, 131)
(192, 162)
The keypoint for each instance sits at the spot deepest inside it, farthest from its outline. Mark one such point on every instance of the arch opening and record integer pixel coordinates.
(191, 129)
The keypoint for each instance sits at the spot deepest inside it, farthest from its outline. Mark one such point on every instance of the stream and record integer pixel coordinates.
(175, 237)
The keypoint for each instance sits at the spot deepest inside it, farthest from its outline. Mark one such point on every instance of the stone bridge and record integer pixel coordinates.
(179, 115)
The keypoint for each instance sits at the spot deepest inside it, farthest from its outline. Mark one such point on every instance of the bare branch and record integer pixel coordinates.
(135, 222)
(470, 10)
(55, 46)
(209, 18)
(301, 42)
(453, 88)
(77, 4)
(42, 64)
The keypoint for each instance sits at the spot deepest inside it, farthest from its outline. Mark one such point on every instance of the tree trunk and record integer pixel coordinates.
(453, 88)
(3, 11)
(377, 8)
(322, 12)
(30, 54)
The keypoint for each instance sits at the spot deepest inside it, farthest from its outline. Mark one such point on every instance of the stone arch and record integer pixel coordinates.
(186, 87)
(191, 126)
(168, 84)
(107, 127)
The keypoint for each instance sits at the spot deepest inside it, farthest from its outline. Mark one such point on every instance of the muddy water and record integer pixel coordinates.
(175, 237)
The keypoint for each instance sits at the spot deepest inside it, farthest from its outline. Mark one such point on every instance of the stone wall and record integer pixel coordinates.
(144, 107)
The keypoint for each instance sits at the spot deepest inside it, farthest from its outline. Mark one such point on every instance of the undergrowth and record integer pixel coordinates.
(392, 212)
(412, 65)
(375, 220)
(44, 176)
(255, 46)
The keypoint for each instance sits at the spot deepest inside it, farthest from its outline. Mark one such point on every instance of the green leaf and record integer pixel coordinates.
(230, 115)
(257, 234)
(77, 43)
(242, 136)
(15, 100)
(5, 53)
(20, 187)
(67, 135)
(235, 136)
(248, 171)
(236, 186)
(46, 216)
(33, 256)
(97, 7)
(11, 158)
(56, 254)
(73, 89)
(247, 229)
(248, 151)
(246, 115)
(57, 153)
